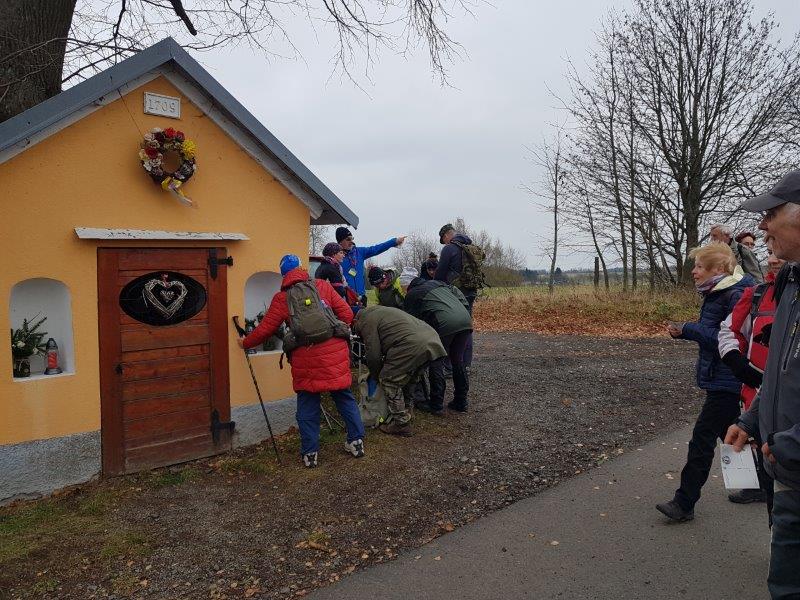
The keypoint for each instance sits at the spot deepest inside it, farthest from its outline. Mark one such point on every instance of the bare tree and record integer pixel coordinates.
(47, 43)
(318, 236)
(549, 157)
(685, 110)
(415, 250)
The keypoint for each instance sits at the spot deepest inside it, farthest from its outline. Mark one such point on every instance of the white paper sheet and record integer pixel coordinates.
(738, 468)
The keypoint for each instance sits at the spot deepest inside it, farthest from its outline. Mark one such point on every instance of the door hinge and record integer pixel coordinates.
(214, 262)
(217, 425)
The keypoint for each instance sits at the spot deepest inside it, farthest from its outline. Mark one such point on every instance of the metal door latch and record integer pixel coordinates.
(214, 262)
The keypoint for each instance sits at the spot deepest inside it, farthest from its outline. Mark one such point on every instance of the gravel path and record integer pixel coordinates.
(543, 409)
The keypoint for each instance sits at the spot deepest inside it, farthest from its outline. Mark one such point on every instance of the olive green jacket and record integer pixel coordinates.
(395, 342)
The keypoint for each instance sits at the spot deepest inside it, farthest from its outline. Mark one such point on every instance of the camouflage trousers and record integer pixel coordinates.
(399, 392)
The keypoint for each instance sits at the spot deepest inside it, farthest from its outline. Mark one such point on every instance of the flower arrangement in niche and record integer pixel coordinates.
(26, 342)
(159, 142)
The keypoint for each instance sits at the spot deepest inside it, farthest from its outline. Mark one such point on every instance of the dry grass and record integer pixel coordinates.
(583, 310)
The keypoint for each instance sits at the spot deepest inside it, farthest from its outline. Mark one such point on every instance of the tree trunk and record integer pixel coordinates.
(32, 45)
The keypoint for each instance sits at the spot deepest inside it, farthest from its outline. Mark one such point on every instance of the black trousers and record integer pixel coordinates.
(455, 346)
(720, 411)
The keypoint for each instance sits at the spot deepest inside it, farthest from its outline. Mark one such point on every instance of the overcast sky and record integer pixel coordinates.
(406, 153)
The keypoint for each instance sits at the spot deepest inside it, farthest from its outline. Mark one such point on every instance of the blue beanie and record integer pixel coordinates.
(289, 262)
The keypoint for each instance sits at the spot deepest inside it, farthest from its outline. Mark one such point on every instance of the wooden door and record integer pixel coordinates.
(162, 376)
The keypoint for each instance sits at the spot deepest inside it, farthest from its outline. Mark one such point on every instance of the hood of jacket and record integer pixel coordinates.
(293, 276)
(460, 237)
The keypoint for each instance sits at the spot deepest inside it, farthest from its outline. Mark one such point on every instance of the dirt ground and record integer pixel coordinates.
(237, 526)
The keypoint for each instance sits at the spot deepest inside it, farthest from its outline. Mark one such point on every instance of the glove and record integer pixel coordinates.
(744, 371)
(763, 337)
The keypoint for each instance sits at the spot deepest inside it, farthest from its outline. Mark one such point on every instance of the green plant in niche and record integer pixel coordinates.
(26, 342)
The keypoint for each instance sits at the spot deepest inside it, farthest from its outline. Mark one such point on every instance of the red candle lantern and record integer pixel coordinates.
(51, 351)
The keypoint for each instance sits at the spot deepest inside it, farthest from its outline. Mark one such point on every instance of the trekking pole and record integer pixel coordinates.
(240, 331)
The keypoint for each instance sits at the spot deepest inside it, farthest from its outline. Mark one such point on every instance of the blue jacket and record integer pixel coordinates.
(712, 373)
(353, 263)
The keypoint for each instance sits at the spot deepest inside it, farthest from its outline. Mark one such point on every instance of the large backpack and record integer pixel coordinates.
(311, 321)
(471, 276)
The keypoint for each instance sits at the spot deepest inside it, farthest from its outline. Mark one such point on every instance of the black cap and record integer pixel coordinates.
(341, 233)
(445, 229)
(786, 190)
(375, 275)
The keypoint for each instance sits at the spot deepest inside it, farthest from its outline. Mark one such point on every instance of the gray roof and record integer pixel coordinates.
(168, 53)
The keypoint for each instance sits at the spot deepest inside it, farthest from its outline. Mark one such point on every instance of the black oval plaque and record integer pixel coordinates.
(162, 298)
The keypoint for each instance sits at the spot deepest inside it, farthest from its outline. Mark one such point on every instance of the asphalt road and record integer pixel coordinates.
(595, 536)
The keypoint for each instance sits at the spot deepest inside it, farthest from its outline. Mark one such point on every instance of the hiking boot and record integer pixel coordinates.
(396, 429)
(437, 411)
(356, 447)
(747, 496)
(674, 511)
(310, 460)
(457, 406)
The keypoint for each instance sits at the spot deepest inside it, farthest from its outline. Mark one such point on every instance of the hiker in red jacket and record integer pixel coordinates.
(743, 348)
(319, 367)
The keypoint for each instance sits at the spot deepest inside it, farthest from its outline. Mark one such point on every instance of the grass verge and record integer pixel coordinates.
(583, 310)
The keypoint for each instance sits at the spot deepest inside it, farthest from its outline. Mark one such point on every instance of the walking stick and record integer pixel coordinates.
(240, 331)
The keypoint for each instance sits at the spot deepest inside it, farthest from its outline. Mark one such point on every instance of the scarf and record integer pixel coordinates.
(709, 284)
(330, 260)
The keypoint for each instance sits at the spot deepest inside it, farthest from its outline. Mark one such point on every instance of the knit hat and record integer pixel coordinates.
(289, 263)
(375, 275)
(331, 248)
(445, 229)
(341, 233)
(431, 263)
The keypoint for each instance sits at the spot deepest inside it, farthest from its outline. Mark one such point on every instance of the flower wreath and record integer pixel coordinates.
(156, 143)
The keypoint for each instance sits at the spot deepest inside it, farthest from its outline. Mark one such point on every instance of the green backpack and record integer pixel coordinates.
(311, 321)
(472, 276)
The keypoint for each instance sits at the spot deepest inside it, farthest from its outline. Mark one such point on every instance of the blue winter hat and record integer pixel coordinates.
(289, 262)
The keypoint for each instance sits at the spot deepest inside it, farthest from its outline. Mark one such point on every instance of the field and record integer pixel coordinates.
(582, 310)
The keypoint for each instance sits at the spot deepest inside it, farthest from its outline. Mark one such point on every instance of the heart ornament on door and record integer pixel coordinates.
(165, 296)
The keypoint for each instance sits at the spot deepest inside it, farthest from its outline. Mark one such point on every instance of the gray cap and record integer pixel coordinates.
(786, 190)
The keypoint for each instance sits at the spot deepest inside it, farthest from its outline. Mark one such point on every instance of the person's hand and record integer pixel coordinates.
(768, 453)
(675, 329)
(399, 241)
(736, 437)
(240, 342)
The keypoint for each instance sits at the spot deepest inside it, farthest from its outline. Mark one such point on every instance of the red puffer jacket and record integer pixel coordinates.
(323, 367)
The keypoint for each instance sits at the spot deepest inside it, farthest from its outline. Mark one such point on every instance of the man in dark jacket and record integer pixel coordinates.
(451, 263)
(775, 412)
(444, 308)
(398, 348)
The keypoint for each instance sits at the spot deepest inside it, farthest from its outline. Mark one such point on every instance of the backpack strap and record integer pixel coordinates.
(781, 280)
(758, 296)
